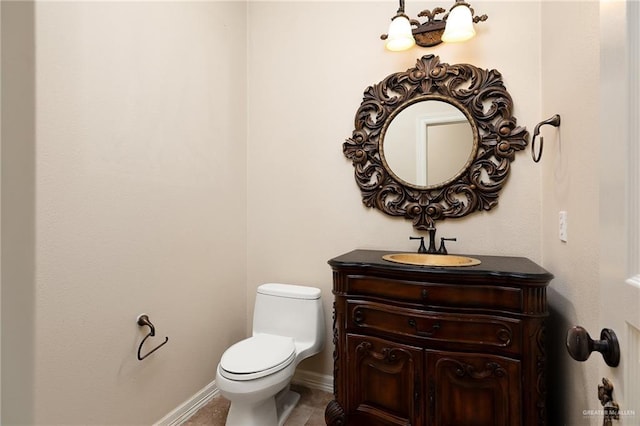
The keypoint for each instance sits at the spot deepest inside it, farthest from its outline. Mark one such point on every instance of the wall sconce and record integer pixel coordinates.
(455, 26)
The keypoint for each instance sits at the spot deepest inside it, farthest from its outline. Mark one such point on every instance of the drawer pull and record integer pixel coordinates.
(425, 294)
(358, 316)
(435, 327)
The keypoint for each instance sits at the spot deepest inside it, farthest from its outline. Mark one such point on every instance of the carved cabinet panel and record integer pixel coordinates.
(484, 389)
(438, 346)
(387, 382)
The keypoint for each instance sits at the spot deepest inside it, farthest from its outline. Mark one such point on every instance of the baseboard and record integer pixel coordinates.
(190, 406)
(313, 380)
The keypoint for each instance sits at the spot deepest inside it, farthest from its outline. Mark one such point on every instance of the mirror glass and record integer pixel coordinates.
(428, 143)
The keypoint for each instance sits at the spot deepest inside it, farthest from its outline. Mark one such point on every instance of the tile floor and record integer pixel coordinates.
(308, 412)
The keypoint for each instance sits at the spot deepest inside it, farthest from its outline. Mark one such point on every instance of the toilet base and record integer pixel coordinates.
(273, 411)
(286, 401)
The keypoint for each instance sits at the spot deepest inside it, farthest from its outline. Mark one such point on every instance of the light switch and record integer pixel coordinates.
(563, 226)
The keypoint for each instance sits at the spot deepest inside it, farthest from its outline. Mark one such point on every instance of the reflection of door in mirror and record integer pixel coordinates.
(441, 144)
(428, 143)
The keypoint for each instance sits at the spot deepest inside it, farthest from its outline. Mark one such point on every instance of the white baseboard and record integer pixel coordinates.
(313, 380)
(190, 406)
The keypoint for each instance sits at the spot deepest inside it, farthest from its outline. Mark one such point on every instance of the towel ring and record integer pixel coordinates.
(553, 121)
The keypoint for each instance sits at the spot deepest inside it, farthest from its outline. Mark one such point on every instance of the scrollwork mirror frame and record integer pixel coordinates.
(480, 95)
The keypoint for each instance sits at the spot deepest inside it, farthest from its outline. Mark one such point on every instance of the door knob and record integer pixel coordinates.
(580, 345)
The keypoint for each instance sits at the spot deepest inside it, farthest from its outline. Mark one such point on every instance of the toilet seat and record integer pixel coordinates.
(257, 356)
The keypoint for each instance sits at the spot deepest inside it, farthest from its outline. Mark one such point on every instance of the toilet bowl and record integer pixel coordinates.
(255, 373)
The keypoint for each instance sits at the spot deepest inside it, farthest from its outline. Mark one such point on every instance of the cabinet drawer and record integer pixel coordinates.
(465, 331)
(469, 296)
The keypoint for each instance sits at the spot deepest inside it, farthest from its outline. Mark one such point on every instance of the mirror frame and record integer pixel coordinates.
(481, 96)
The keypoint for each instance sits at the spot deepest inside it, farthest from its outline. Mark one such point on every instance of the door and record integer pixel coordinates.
(620, 199)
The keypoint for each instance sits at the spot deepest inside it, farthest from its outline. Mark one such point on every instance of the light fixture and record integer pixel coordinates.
(459, 24)
(456, 25)
(400, 36)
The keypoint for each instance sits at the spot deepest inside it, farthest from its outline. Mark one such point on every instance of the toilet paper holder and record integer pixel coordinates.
(142, 320)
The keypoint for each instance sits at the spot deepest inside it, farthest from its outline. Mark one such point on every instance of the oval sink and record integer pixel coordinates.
(422, 259)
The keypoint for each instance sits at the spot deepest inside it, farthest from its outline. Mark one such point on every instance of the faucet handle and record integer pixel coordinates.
(422, 248)
(442, 249)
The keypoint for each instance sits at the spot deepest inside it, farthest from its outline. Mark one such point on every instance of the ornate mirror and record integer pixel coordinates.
(434, 142)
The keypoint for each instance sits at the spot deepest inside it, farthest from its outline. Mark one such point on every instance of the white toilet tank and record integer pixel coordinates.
(293, 311)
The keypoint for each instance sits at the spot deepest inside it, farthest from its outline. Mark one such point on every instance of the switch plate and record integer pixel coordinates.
(563, 226)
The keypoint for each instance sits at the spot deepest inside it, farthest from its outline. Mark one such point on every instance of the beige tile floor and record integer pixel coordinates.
(308, 412)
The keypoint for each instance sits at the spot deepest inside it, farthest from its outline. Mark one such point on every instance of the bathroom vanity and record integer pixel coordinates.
(420, 345)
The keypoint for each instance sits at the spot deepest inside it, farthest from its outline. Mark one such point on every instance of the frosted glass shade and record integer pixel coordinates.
(459, 25)
(400, 36)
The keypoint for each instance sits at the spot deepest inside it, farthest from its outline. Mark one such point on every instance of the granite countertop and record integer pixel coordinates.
(517, 267)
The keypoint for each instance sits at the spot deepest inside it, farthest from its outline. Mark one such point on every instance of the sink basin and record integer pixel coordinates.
(422, 259)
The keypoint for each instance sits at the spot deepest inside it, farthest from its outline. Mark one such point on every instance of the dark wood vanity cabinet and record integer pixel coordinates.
(456, 346)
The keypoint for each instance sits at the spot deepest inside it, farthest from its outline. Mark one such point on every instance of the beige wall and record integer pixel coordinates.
(138, 154)
(305, 83)
(570, 169)
(0, 214)
(18, 215)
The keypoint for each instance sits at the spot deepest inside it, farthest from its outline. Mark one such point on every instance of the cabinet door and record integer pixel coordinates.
(473, 389)
(385, 382)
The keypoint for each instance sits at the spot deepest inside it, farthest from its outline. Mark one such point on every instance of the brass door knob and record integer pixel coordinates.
(580, 345)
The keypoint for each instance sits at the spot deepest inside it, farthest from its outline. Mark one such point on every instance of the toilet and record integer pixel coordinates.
(255, 373)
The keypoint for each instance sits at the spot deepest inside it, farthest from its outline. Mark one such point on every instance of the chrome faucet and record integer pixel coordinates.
(432, 243)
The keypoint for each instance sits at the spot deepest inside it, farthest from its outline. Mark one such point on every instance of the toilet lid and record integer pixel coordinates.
(257, 356)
